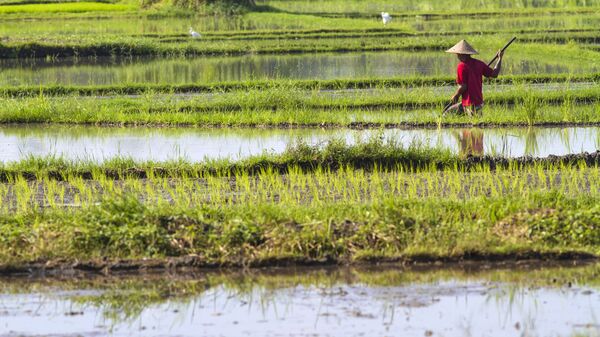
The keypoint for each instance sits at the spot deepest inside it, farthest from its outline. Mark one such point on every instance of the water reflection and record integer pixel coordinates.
(470, 142)
(371, 301)
(196, 144)
(107, 71)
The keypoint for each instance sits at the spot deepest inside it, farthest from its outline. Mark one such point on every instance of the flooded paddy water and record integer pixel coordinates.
(464, 300)
(111, 71)
(197, 144)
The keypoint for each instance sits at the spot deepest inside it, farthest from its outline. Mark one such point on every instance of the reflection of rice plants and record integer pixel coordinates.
(532, 145)
(565, 138)
(123, 299)
(504, 149)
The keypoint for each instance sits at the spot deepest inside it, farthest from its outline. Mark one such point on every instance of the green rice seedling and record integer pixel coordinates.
(322, 186)
(567, 108)
(383, 155)
(4, 198)
(531, 106)
(80, 186)
(310, 112)
(49, 188)
(594, 180)
(23, 194)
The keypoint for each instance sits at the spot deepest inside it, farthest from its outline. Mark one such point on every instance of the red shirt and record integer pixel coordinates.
(470, 73)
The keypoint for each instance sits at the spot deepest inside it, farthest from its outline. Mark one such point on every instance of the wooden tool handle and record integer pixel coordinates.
(503, 49)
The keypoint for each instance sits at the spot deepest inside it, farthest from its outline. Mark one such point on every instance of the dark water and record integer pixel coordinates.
(378, 301)
(112, 71)
(196, 144)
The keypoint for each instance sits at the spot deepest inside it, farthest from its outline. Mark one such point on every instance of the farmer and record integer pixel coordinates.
(469, 78)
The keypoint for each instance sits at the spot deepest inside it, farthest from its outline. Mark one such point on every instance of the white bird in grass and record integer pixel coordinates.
(386, 17)
(194, 33)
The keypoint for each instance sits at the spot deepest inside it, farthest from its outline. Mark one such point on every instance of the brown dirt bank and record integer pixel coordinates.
(468, 260)
(329, 126)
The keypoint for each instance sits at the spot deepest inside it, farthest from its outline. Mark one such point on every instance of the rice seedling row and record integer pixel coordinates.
(299, 187)
(345, 216)
(284, 107)
(374, 153)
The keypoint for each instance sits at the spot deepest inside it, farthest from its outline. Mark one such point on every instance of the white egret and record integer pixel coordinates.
(194, 33)
(386, 17)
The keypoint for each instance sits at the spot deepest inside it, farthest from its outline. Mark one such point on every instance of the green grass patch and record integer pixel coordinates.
(70, 7)
(284, 106)
(357, 6)
(57, 46)
(327, 232)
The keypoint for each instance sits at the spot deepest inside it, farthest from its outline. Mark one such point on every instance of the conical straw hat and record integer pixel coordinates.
(463, 47)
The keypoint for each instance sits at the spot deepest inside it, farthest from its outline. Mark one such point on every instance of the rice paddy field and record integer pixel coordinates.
(294, 160)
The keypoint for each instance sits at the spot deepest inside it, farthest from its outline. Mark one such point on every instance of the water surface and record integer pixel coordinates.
(376, 301)
(198, 144)
(114, 71)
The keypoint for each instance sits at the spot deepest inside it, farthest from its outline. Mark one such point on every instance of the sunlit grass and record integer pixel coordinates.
(287, 106)
(411, 6)
(71, 7)
(344, 215)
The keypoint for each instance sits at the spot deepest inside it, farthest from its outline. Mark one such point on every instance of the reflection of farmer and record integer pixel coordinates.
(471, 142)
(469, 78)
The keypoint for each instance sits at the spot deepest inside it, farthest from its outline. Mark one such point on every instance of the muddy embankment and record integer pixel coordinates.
(469, 260)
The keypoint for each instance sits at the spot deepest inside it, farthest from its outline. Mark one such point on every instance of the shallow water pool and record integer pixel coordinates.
(197, 144)
(376, 301)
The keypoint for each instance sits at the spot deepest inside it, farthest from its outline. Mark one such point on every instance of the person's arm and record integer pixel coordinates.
(498, 66)
(462, 88)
